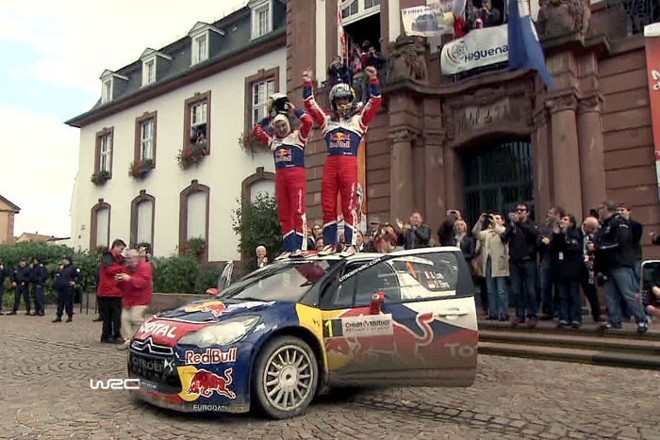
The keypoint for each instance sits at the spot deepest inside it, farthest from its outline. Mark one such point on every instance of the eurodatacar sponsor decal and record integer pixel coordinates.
(480, 47)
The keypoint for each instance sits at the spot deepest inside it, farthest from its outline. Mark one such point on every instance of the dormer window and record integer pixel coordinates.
(149, 71)
(262, 17)
(106, 93)
(154, 64)
(110, 86)
(200, 48)
(204, 38)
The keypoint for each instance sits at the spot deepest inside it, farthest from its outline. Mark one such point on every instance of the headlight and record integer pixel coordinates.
(224, 333)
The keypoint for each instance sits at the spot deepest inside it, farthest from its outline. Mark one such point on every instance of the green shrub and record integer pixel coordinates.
(259, 225)
(175, 274)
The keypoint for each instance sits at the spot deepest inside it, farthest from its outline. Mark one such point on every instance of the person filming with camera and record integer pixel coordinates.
(495, 258)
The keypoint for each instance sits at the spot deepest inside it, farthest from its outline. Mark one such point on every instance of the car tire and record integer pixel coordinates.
(292, 367)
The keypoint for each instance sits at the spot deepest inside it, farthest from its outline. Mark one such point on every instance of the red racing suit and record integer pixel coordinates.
(290, 179)
(340, 171)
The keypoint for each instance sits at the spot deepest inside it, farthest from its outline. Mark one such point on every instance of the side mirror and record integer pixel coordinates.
(377, 300)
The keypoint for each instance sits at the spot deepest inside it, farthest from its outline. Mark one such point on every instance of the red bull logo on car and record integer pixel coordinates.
(402, 342)
(216, 308)
(210, 356)
(204, 383)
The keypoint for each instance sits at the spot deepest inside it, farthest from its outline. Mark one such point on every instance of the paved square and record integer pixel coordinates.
(45, 393)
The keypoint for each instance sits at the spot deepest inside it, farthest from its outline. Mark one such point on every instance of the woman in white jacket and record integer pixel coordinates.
(495, 260)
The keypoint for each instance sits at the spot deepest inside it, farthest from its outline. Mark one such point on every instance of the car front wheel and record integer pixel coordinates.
(285, 377)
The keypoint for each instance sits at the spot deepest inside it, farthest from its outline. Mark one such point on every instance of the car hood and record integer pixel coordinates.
(168, 327)
(215, 310)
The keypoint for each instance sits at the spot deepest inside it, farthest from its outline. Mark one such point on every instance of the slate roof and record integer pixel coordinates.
(236, 39)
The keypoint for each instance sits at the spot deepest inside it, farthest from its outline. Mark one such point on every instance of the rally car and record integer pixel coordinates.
(289, 331)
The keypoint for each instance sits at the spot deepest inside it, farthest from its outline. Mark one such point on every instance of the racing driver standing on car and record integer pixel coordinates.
(343, 131)
(288, 147)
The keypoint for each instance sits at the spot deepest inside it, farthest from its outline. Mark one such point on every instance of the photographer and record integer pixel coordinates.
(522, 237)
(338, 72)
(566, 251)
(495, 258)
(587, 277)
(414, 235)
(549, 298)
(489, 16)
(447, 232)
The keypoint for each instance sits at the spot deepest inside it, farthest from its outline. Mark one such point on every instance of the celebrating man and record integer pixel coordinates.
(343, 131)
(288, 149)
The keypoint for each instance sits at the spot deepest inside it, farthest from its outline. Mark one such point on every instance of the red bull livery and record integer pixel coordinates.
(288, 332)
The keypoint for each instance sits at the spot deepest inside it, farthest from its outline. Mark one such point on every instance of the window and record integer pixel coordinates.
(200, 48)
(260, 93)
(104, 140)
(143, 219)
(371, 3)
(149, 72)
(197, 123)
(194, 214)
(349, 10)
(100, 225)
(145, 137)
(356, 10)
(262, 22)
(106, 92)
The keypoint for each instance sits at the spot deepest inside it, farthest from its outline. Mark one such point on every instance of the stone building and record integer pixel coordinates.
(487, 140)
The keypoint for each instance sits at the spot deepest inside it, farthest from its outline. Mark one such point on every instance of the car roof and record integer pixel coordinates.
(362, 256)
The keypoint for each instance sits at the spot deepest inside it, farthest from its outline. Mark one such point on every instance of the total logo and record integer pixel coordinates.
(210, 356)
(156, 329)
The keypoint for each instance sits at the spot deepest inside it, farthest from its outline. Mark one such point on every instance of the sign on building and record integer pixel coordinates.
(434, 19)
(652, 38)
(479, 48)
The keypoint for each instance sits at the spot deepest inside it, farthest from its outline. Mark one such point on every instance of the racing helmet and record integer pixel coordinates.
(338, 91)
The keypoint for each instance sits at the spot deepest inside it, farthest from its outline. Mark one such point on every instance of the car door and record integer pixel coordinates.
(424, 333)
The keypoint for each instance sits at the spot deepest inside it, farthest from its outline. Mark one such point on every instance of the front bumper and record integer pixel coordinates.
(173, 402)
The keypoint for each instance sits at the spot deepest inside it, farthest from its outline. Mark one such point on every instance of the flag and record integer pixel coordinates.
(343, 44)
(525, 51)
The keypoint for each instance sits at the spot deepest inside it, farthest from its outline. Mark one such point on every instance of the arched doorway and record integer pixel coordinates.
(496, 176)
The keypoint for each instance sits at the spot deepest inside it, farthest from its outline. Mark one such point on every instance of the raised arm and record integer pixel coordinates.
(312, 107)
(306, 127)
(370, 110)
(260, 131)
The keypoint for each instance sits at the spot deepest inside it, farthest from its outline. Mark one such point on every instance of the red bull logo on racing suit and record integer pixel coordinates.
(340, 139)
(283, 155)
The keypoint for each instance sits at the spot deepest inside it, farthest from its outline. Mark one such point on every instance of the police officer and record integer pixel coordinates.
(38, 278)
(21, 284)
(3, 273)
(65, 284)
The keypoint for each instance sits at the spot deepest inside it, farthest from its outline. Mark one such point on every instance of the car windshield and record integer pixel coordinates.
(286, 281)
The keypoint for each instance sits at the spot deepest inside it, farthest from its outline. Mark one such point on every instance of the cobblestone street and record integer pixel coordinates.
(46, 394)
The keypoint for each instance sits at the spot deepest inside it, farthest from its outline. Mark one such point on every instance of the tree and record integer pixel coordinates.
(258, 225)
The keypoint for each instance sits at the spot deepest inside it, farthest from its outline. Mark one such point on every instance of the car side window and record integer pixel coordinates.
(378, 278)
(340, 295)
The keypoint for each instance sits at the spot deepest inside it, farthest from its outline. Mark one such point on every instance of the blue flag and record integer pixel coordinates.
(525, 51)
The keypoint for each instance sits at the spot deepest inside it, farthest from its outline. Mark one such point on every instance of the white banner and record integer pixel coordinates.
(434, 19)
(480, 47)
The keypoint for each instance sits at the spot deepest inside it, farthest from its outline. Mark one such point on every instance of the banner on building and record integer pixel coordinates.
(436, 18)
(480, 47)
(652, 39)
(361, 219)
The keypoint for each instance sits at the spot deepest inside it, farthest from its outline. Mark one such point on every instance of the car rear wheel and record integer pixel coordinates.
(285, 377)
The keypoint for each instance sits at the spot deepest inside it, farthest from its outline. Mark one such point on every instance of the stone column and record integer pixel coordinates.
(592, 152)
(567, 183)
(542, 164)
(401, 174)
(434, 178)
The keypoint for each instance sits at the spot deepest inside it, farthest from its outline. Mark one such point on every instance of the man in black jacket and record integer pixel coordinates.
(548, 279)
(636, 232)
(38, 278)
(522, 237)
(21, 284)
(65, 284)
(414, 235)
(616, 259)
(3, 274)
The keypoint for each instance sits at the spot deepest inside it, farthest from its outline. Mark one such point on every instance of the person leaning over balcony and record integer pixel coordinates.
(109, 294)
(136, 284)
(288, 147)
(489, 15)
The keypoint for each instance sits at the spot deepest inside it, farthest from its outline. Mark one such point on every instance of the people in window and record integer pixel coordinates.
(338, 72)
(488, 14)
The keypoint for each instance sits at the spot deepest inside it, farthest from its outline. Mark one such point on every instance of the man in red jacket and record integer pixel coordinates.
(108, 293)
(136, 283)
